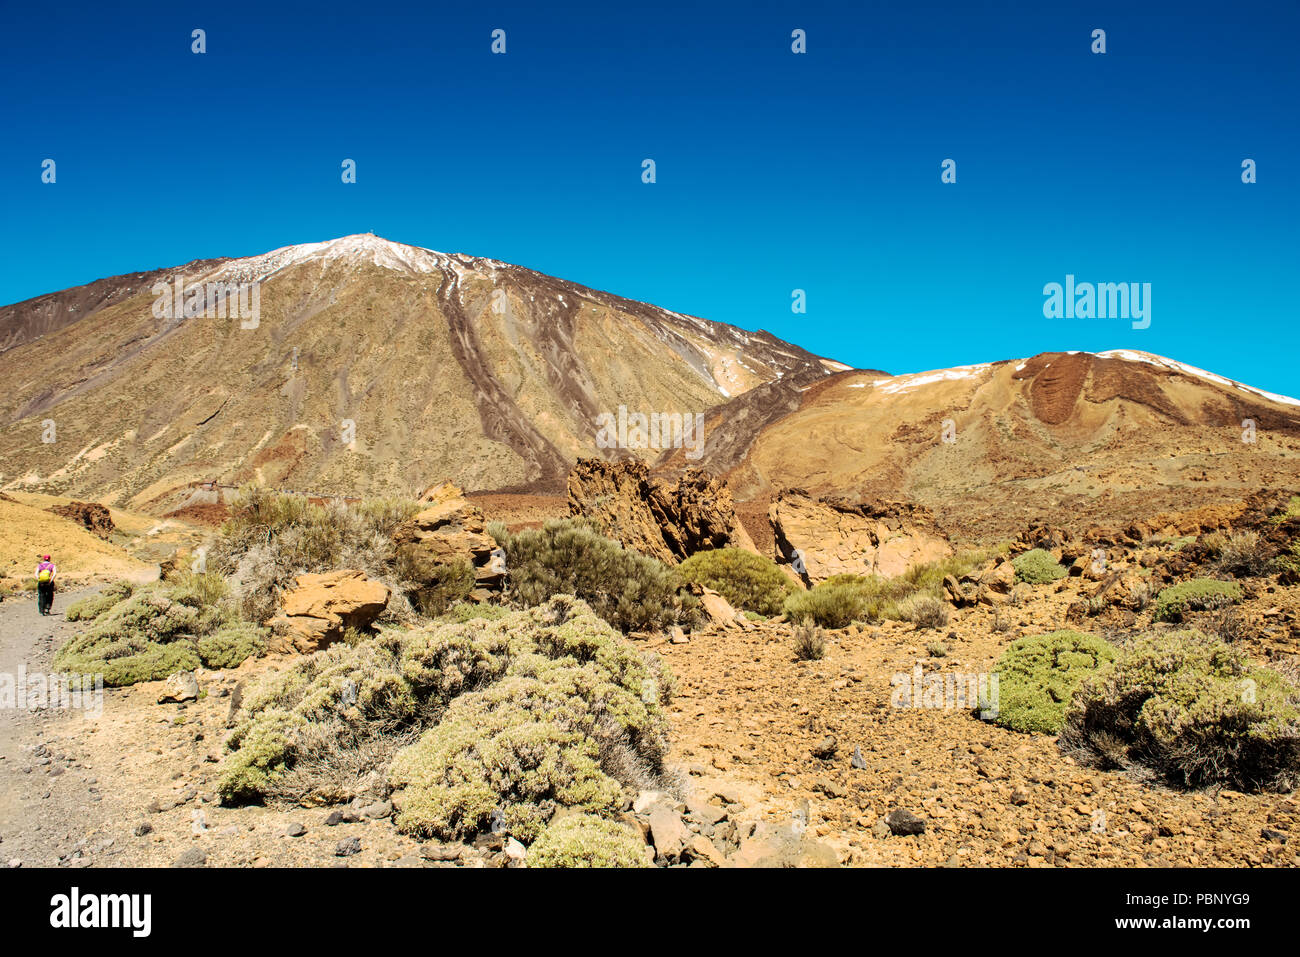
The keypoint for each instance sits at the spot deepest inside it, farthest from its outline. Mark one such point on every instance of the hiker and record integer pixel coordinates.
(45, 572)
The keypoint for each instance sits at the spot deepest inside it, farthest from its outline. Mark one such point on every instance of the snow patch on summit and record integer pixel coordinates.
(360, 248)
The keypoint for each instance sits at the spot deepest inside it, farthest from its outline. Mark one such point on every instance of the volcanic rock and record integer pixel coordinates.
(669, 521)
(91, 516)
(449, 531)
(836, 538)
(319, 608)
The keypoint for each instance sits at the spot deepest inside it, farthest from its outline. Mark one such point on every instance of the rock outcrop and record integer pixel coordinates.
(669, 521)
(448, 532)
(836, 538)
(91, 516)
(319, 608)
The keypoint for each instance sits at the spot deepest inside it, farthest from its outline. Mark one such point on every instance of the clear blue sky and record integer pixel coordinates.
(775, 171)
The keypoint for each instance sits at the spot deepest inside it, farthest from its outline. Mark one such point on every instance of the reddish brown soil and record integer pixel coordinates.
(520, 510)
(209, 516)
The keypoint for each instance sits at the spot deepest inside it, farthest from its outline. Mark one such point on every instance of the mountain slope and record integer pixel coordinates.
(446, 366)
(1058, 437)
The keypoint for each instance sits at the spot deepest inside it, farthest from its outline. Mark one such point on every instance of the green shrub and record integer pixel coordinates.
(466, 610)
(142, 638)
(445, 661)
(930, 575)
(915, 596)
(576, 717)
(749, 582)
(231, 644)
(1038, 675)
(440, 585)
(1290, 510)
(501, 745)
(584, 840)
(837, 602)
(1196, 594)
(92, 606)
(540, 710)
(1037, 567)
(844, 599)
(152, 632)
(198, 589)
(566, 557)
(309, 734)
(1193, 711)
(1289, 560)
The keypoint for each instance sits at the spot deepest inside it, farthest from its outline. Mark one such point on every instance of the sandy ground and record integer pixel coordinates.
(749, 708)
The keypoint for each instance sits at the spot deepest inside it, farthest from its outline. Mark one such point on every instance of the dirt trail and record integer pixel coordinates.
(51, 806)
(135, 785)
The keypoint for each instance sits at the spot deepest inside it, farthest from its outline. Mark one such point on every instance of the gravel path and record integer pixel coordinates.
(50, 804)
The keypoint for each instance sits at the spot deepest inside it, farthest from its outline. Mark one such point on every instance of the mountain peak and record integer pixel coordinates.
(356, 248)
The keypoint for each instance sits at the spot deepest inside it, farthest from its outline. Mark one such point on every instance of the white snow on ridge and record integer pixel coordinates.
(905, 383)
(1132, 355)
(362, 247)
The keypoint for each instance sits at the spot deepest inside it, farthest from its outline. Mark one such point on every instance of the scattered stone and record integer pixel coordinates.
(377, 811)
(515, 852)
(826, 748)
(194, 857)
(858, 762)
(773, 845)
(348, 847)
(702, 849)
(667, 832)
(646, 800)
(182, 686)
(294, 830)
(442, 852)
(728, 794)
(902, 821)
(706, 813)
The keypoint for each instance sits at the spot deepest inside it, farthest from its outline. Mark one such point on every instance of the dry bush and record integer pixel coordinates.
(924, 611)
(1240, 554)
(809, 643)
(271, 538)
(1229, 625)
